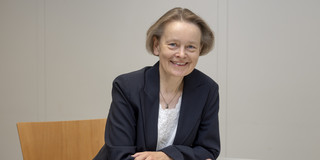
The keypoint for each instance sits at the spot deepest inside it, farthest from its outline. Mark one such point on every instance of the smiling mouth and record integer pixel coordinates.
(179, 63)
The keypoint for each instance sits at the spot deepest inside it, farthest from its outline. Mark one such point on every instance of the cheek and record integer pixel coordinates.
(195, 58)
(165, 53)
(162, 57)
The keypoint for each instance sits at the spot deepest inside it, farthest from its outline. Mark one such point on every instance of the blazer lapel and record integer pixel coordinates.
(150, 106)
(193, 100)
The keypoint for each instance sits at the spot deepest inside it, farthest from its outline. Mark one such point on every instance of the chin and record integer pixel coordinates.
(180, 74)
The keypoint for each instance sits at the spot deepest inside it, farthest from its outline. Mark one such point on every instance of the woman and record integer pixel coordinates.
(168, 111)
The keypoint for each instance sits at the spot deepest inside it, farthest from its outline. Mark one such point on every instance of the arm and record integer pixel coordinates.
(151, 155)
(207, 141)
(120, 130)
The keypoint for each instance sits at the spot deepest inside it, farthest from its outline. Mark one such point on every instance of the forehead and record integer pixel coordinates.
(182, 31)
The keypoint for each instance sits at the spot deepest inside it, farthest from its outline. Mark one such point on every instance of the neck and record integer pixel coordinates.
(170, 84)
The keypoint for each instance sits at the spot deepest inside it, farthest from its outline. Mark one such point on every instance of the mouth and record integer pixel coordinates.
(180, 63)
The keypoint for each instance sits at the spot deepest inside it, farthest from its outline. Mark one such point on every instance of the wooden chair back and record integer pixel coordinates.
(61, 140)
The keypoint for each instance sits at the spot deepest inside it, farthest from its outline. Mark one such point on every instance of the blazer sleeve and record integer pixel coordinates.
(120, 129)
(207, 142)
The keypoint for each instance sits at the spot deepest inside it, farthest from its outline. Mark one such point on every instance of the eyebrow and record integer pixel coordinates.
(173, 39)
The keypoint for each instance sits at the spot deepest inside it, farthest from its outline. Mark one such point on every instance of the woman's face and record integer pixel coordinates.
(178, 48)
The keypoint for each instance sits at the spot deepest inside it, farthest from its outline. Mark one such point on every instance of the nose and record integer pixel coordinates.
(182, 52)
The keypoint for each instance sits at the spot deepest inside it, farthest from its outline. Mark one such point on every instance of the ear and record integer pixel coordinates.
(156, 49)
(200, 49)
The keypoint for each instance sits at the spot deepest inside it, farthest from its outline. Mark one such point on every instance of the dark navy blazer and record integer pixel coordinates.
(132, 124)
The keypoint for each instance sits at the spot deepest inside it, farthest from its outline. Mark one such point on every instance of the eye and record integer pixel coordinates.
(172, 44)
(191, 47)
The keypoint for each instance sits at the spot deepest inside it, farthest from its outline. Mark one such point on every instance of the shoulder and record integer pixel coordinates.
(198, 78)
(135, 78)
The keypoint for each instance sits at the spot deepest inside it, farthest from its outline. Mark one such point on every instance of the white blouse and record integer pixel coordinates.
(167, 125)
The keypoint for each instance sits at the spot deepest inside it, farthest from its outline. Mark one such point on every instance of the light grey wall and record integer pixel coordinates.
(273, 79)
(58, 59)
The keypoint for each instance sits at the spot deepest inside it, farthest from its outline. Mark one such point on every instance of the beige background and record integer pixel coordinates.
(58, 59)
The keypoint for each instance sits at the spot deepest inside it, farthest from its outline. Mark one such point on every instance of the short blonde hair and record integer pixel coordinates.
(181, 14)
